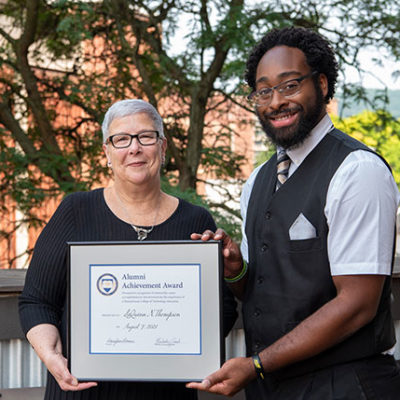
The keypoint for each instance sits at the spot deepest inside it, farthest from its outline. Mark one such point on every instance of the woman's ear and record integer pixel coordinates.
(105, 149)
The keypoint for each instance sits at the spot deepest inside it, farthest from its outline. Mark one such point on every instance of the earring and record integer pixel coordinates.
(109, 164)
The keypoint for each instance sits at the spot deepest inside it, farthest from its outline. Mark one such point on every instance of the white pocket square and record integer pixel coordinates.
(302, 229)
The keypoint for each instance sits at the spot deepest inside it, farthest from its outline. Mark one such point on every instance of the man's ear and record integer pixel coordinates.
(323, 84)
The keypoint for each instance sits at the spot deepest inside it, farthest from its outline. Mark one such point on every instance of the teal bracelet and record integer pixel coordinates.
(258, 366)
(240, 276)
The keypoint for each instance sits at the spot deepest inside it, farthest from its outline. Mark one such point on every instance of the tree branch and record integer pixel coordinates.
(34, 99)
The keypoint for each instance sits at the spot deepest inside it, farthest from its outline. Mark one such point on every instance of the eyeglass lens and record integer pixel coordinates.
(286, 89)
(122, 140)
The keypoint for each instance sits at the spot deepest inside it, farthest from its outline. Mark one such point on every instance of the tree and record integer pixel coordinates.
(379, 131)
(64, 62)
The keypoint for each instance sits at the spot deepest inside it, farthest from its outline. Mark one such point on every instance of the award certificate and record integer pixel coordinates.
(144, 310)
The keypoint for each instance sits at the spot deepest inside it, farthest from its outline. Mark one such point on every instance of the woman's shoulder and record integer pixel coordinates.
(75, 203)
(195, 215)
(187, 207)
(83, 197)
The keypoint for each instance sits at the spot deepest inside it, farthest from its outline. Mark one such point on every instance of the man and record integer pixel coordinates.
(317, 251)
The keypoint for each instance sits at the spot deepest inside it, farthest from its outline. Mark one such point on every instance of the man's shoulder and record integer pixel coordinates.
(248, 186)
(357, 148)
(250, 181)
(348, 140)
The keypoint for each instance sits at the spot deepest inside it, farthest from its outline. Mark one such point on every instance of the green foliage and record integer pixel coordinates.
(223, 220)
(64, 62)
(376, 129)
(379, 131)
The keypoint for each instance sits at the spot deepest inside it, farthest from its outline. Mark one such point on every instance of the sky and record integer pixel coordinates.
(384, 73)
(365, 58)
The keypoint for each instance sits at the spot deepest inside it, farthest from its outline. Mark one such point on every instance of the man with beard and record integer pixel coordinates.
(316, 258)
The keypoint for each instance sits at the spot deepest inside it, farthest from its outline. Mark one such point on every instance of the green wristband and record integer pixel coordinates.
(240, 276)
(258, 366)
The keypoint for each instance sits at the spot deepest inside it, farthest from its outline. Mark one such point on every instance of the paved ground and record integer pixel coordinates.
(22, 394)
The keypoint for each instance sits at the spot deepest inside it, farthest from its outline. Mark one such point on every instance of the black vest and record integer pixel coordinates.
(290, 279)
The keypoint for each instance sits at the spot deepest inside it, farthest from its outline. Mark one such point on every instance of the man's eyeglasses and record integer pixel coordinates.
(123, 140)
(289, 88)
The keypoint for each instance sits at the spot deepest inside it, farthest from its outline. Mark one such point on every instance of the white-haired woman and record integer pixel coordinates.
(133, 208)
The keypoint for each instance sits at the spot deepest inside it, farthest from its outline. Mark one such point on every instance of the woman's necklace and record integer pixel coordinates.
(141, 232)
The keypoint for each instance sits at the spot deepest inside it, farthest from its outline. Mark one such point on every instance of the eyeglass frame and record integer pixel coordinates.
(252, 96)
(137, 136)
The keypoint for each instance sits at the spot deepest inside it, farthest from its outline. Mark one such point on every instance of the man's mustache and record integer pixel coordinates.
(277, 113)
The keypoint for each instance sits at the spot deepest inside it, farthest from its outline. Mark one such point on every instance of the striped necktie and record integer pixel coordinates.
(282, 168)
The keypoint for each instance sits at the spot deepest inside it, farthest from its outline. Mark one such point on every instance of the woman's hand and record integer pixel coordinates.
(56, 363)
(46, 341)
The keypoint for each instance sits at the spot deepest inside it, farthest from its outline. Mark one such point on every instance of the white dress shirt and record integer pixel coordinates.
(360, 209)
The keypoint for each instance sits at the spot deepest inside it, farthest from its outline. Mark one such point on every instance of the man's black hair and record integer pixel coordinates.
(318, 51)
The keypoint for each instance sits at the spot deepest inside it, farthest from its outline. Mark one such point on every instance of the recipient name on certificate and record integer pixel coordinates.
(145, 309)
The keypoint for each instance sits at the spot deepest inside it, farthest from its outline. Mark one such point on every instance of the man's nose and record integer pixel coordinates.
(277, 100)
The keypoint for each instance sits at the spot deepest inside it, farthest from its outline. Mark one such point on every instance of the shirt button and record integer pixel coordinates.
(257, 313)
(268, 215)
(257, 345)
(264, 247)
(260, 280)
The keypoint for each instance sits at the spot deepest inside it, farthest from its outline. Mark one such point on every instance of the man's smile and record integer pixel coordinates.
(284, 118)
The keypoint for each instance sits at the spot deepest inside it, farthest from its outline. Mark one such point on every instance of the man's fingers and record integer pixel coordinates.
(207, 383)
(226, 253)
(206, 235)
(220, 234)
(203, 385)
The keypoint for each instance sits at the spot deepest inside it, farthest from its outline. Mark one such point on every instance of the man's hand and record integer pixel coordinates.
(233, 376)
(233, 261)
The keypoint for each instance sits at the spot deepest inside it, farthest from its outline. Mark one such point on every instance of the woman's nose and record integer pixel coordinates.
(135, 146)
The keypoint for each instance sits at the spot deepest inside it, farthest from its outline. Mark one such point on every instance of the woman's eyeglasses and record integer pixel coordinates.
(122, 140)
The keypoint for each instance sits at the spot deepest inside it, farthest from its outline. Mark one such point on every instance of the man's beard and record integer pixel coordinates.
(294, 136)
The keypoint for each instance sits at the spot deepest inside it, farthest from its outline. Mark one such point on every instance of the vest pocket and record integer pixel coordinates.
(313, 244)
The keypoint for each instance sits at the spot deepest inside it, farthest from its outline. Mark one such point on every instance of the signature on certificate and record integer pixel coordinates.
(114, 342)
(167, 341)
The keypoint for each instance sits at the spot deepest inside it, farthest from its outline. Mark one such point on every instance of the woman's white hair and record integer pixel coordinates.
(123, 108)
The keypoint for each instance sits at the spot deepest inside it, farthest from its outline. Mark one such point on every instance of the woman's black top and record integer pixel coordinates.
(85, 216)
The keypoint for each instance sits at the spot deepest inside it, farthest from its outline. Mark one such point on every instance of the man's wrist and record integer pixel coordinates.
(258, 366)
(239, 276)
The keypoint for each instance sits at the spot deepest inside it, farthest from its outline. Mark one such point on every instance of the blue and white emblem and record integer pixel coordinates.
(107, 284)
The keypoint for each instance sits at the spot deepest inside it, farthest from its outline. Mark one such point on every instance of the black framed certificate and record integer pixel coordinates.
(144, 311)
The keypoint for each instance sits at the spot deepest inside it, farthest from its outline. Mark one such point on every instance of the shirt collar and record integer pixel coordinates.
(298, 154)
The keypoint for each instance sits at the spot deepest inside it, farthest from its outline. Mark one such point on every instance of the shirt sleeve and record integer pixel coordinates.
(229, 308)
(244, 202)
(43, 297)
(361, 207)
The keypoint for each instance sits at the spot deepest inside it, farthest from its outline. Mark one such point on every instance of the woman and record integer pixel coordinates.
(133, 208)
